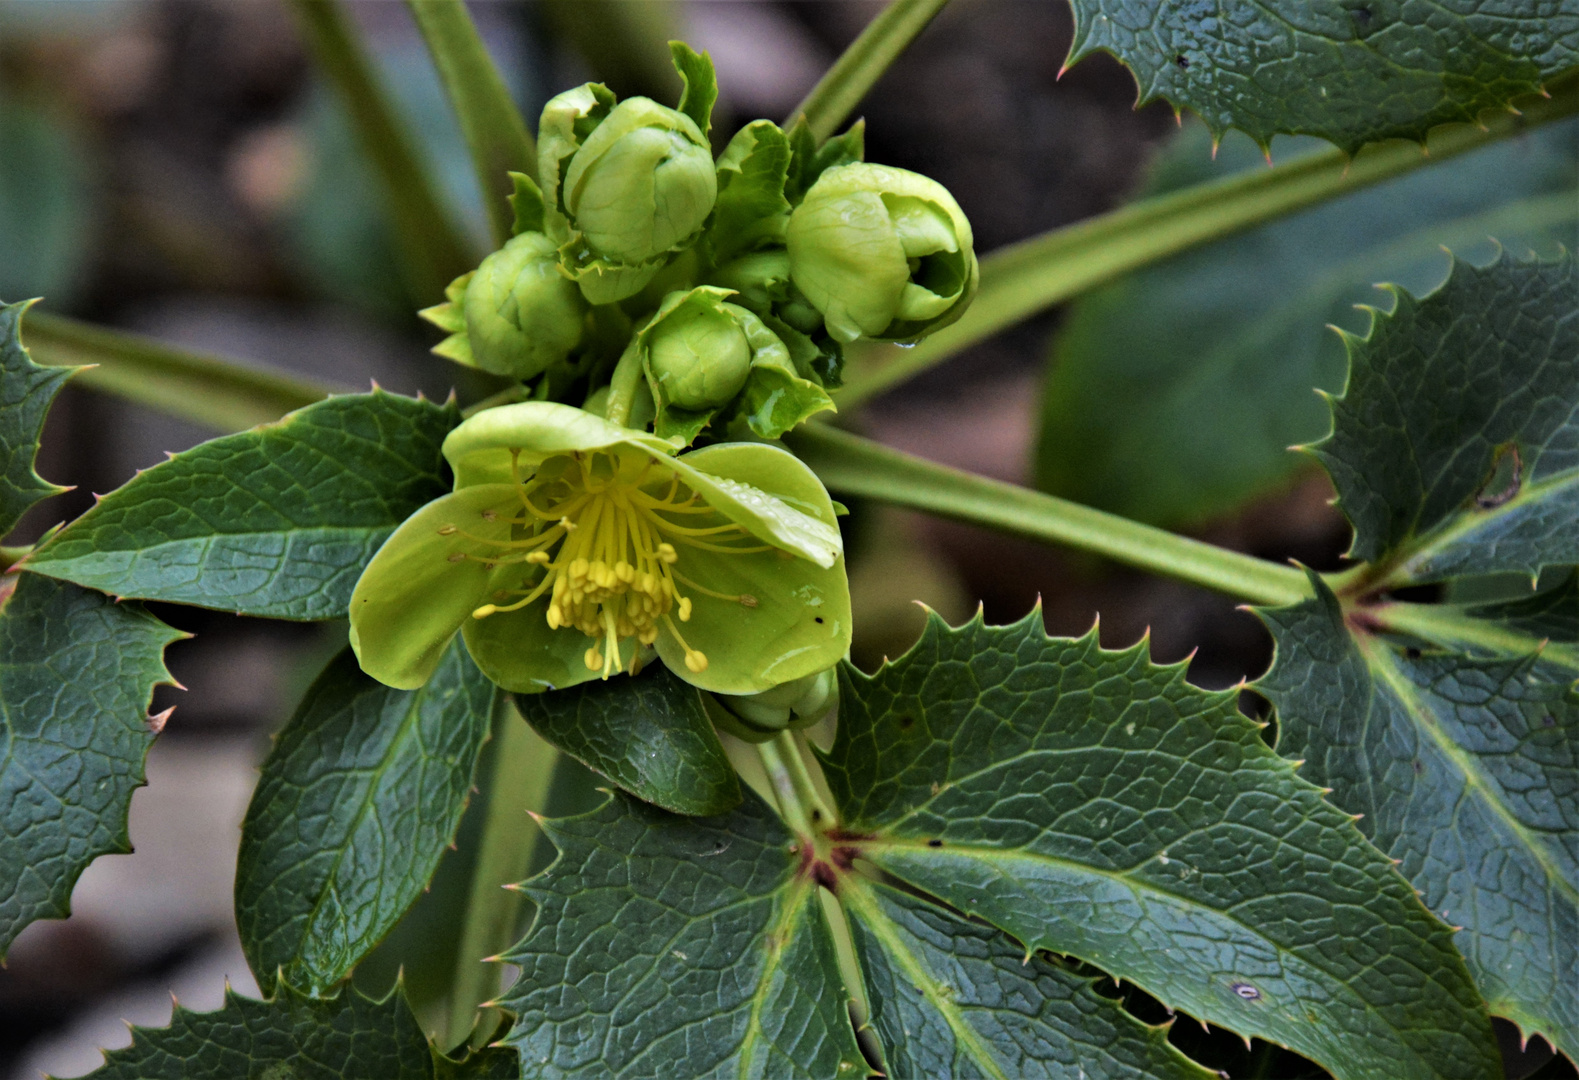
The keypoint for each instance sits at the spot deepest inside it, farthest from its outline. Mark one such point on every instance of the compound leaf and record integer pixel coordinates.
(277, 521)
(1093, 804)
(649, 734)
(26, 392)
(1349, 71)
(349, 1037)
(1455, 446)
(77, 671)
(955, 998)
(1464, 767)
(359, 798)
(674, 946)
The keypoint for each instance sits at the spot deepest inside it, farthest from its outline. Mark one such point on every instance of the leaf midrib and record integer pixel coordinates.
(1383, 665)
(781, 933)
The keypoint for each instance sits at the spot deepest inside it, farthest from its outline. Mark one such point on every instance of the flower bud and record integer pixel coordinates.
(522, 314)
(883, 253)
(635, 187)
(700, 356)
(796, 704)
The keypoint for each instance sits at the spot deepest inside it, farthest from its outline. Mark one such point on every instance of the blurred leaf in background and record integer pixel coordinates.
(47, 207)
(1174, 393)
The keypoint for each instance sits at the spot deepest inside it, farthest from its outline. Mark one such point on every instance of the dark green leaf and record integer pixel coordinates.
(751, 207)
(527, 203)
(1175, 392)
(277, 521)
(292, 1037)
(1464, 766)
(1091, 803)
(1352, 71)
(701, 84)
(678, 947)
(359, 798)
(26, 392)
(77, 671)
(649, 734)
(952, 998)
(1455, 447)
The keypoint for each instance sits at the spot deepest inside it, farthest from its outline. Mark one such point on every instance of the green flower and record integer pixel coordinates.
(883, 253)
(625, 185)
(571, 545)
(516, 314)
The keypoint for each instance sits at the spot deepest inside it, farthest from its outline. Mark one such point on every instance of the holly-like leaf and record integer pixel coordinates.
(26, 392)
(1173, 395)
(358, 799)
(77, 671)
(349, 1037)
(649, 734)
(1464, 763)
(674, 946)
(1455, 447)
(277, 521)
(1350, 71)
(1093, 804)
(955, 998)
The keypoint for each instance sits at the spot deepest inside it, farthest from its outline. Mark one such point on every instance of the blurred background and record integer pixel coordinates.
(176, 167)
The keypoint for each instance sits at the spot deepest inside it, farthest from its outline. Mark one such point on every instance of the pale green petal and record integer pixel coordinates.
(411, 598)
(479, 449)
(517, 650)
(848, 261)
(799, 626)
(770, 493)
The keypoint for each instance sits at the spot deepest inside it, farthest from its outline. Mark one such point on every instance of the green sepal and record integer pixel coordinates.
(566, 121)
(26, 393)
(701, 84)
(450, 317)
(751, 209)
(649, 734)
(527, 202)
(808, 160)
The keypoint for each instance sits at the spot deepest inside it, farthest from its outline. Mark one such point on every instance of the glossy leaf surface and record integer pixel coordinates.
(277, 521)
(672, 946)
(1349, 72)
(1455, 447)
(1093, 804)
(359, 798)
(77, 671)
(649, 734)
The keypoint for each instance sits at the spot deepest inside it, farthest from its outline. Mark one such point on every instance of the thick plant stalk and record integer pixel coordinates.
(495, 131)
(852, 465)
(852, 76)
(1024, 278)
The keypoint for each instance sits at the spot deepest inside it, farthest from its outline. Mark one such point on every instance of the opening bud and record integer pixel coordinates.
(882, 253)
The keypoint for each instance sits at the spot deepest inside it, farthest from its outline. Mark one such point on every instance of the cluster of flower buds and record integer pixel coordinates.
(730, 286)
(674, 299)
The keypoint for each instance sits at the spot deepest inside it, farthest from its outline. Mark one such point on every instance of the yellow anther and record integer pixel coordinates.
(446, 530)
(625, 571)
(667, 553)
(695, 662)
(484, 611)
(538, 558)
(566, 524)
(685, 609)
(593, 659)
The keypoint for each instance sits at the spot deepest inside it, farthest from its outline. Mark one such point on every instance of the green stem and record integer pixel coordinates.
(495, 131)
(791, 796)
(856, 466)
(522, 775)
(204, 389)
(839, 91)
(432, 251)
(1024, 278)
(623, 385)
